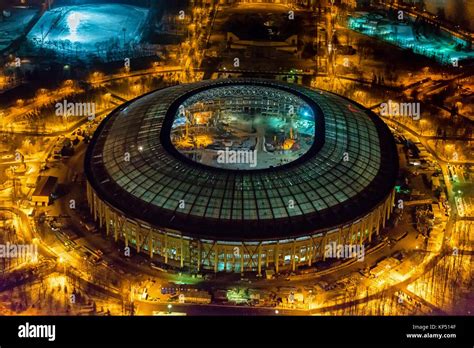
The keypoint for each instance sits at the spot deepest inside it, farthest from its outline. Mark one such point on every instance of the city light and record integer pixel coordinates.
(248, 158)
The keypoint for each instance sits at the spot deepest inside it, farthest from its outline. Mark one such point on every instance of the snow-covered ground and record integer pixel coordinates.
(85, 27)
(12, 27)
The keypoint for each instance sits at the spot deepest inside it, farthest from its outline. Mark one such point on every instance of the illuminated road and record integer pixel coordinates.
(27, 231)
(152, 71)
(147, 308)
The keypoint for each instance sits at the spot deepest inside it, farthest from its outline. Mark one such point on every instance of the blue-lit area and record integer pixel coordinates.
(244, 127)
(441, 46)
(89, 29)
(13, 23)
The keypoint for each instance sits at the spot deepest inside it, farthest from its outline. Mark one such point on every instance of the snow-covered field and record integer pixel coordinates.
(85, 27)
(12, 27)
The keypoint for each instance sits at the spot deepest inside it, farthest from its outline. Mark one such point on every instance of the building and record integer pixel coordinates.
(201, 297)
(144, 191)
(289, 45)
(45, 188)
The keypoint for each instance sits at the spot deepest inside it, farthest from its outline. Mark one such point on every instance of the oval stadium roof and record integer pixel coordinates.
(351, 167)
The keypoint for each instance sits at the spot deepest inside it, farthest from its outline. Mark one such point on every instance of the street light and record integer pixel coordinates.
(169, 308)
(277, 311)
(447, 148)
(61, 261)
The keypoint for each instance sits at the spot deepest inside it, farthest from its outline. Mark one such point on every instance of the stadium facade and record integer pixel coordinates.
(142, 190)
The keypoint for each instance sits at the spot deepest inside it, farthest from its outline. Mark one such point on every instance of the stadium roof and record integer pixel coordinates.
(350, 169)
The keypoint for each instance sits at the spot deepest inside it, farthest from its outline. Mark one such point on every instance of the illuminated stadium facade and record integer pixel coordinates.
(333, 183)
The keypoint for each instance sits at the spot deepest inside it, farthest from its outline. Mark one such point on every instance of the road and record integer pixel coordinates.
(136, 73)
(147, 308)
(28, 233)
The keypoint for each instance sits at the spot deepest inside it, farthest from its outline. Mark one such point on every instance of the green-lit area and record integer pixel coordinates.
(238, 295)
(243, 127)
(438, 45)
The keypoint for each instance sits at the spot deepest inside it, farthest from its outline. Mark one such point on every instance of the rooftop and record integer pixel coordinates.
(349, 170)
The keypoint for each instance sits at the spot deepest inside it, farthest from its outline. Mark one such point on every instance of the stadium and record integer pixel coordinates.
(325, 172)
(89, 29)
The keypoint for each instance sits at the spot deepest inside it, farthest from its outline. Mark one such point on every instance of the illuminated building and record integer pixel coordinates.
(144, 191)
(45, 189)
